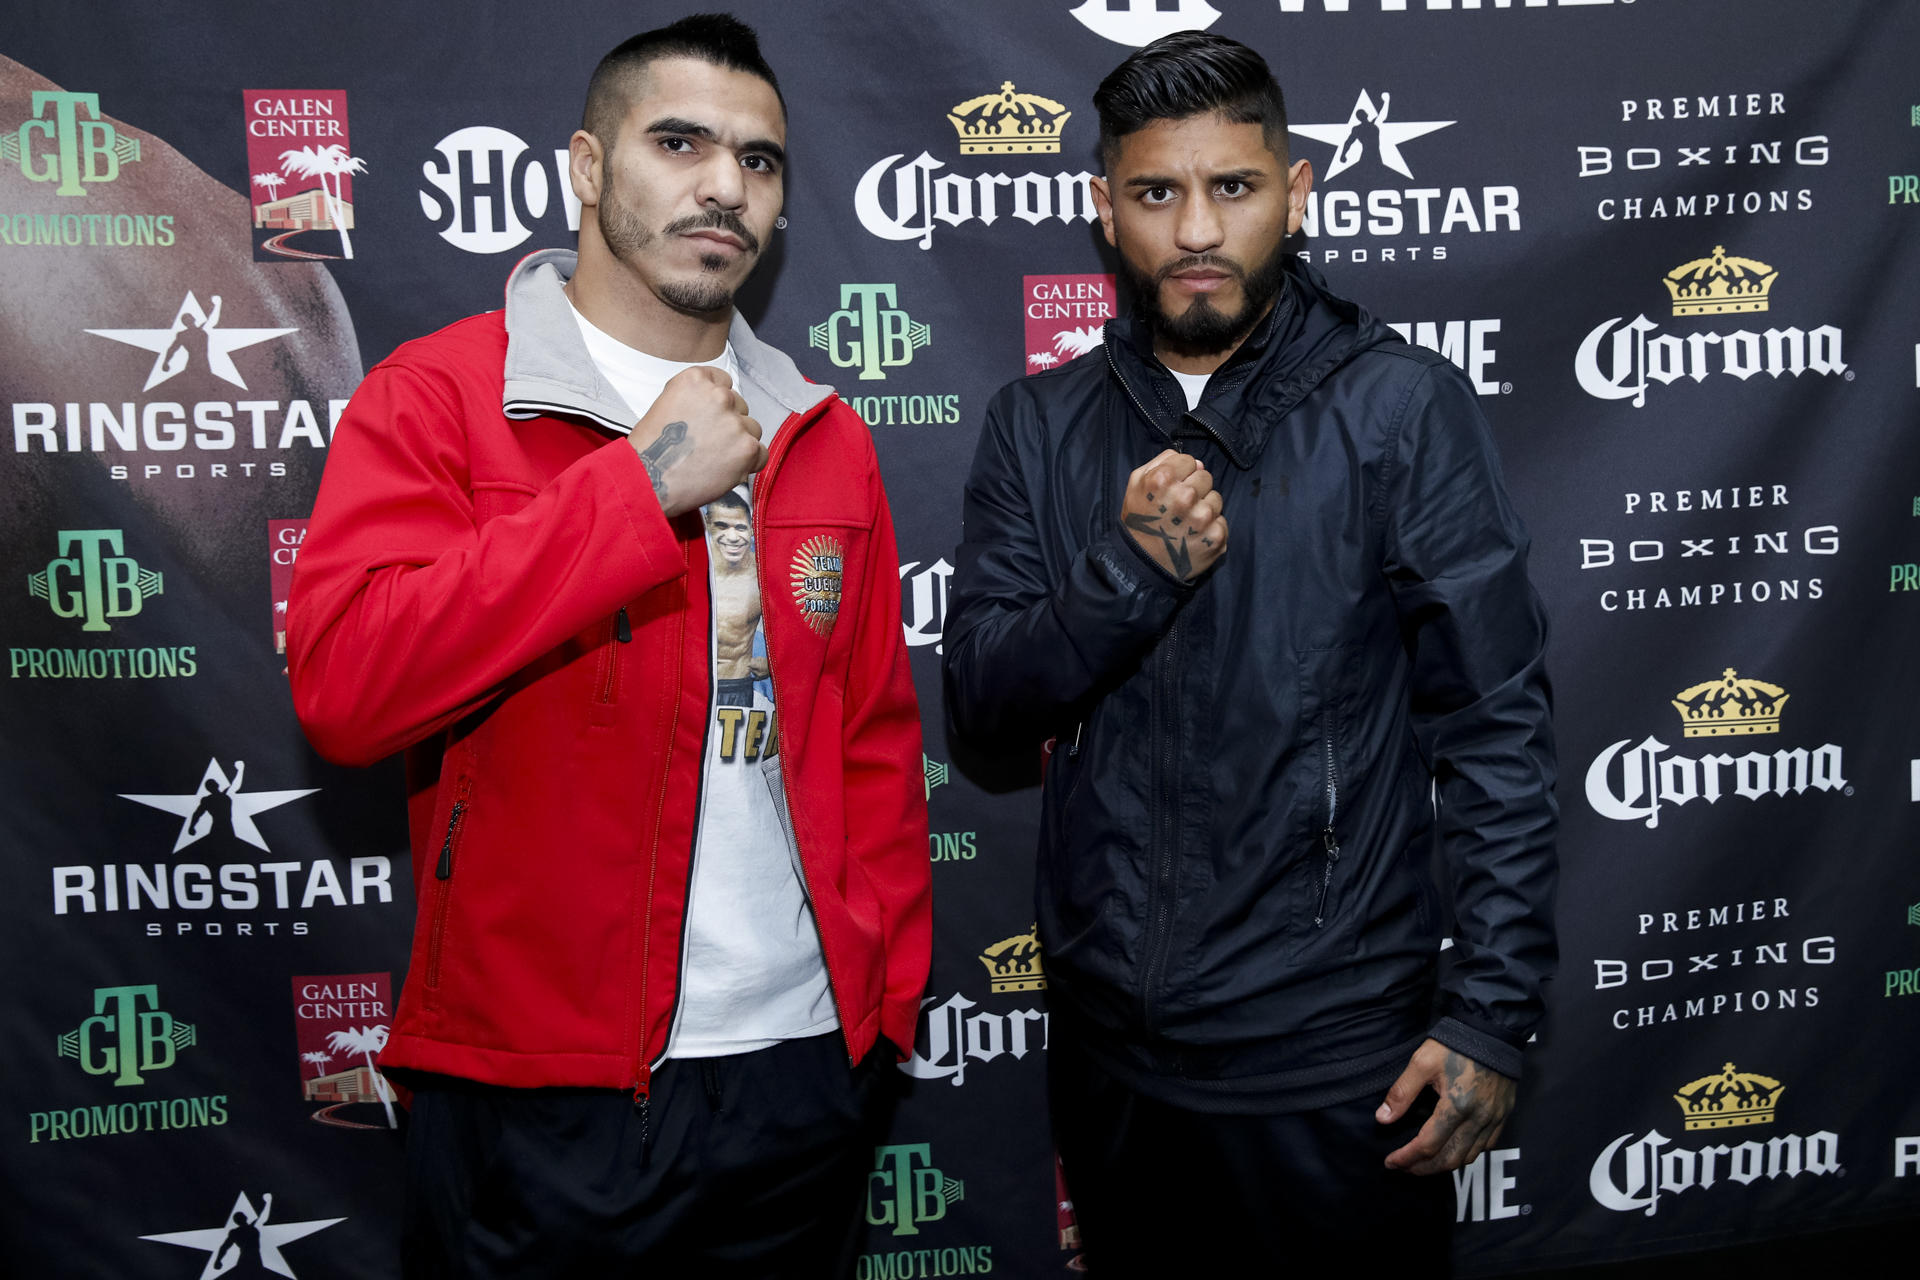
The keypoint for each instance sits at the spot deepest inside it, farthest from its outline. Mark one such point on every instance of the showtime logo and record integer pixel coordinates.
(485, 188)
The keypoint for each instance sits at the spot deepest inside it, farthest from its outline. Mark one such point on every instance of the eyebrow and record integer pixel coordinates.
(1148, 181)
(694, 129)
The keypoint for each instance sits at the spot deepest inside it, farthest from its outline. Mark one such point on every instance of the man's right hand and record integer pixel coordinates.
(697, 441)
(1172, 511)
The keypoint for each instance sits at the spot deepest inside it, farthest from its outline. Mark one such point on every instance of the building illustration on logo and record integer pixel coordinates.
(1730, 706)
(247, 1241)
(869, 332)
(1367, 123)
(217, 802)
(1729, 1100)
(319, 173)
(1719, 284)
(1009, 123)
(128, 1034)
(284, 538)
(1065, 316)
(1141, 22)
(1014, 964)
(194, 331)
(344, 1018)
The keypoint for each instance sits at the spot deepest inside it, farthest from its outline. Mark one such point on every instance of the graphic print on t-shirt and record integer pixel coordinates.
(742, 684)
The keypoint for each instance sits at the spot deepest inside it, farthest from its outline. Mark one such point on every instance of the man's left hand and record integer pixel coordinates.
(1472, 1109)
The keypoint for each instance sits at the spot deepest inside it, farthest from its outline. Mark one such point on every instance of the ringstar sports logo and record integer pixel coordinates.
(1618, 361)
(1419, 219)
(246, 1240)
(218, 802)
(68, 148)
(318, 175)
(1065, 316)
(897, 201)
(194, 331)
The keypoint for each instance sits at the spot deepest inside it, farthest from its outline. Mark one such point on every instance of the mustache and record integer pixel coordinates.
(715, 220)
(1208, 261)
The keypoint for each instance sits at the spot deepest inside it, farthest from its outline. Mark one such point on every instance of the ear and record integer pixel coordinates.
(586, 166)
(1103, 205)
(1299, 182)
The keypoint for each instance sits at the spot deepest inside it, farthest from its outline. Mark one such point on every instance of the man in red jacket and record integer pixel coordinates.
(671, 926)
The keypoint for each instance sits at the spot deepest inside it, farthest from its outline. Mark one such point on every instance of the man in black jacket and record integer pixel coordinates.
(1260, 747)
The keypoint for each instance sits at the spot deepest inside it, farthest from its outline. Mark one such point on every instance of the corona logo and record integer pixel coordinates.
(1141, 22)
(1729, 1100)
(1013, 964)
(1009, 123)
(1719, 284)
(1730, 706)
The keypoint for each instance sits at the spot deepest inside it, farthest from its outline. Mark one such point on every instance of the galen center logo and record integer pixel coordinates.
(1630, 783)
(1616, 361)
(1005, 123)
(1634, 1173)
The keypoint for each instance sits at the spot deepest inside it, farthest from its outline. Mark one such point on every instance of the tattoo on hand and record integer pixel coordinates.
(668, 448)
(1177, 554)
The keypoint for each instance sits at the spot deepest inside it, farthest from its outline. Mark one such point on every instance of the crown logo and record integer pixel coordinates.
(1729, 707)
(1008, 123)
(1719, 285)
(1013, 964)
(1729, 1100)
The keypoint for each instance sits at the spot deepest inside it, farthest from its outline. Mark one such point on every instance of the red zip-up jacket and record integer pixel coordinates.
(489, 583)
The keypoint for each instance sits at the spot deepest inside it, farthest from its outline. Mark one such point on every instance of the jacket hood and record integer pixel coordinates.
(548, 369)
(1309, 333)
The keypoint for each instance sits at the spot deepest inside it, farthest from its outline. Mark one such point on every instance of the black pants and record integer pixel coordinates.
(1163, 1192)
(750, 1166)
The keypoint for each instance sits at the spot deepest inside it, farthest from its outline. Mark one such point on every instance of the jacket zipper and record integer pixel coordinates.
(1166, 794)
(443, 872)
(1329, 841)
(620, 629)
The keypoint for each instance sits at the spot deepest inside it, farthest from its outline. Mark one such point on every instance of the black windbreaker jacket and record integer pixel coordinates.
(1237, 884)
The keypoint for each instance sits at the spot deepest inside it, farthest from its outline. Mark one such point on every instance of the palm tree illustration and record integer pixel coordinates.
(330, 161)
(366, 1042)
(271, 181)
(319, 1058)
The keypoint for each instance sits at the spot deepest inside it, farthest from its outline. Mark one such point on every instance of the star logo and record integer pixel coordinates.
(1349, 140)
(201, 810)
(245, 1237)
(192, 329)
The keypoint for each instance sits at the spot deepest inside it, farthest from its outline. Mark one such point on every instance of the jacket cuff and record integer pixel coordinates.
(1489, 1052)
(1156, 578)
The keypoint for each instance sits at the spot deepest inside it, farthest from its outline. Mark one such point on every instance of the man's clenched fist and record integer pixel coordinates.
(1173, 513)
(697, 441)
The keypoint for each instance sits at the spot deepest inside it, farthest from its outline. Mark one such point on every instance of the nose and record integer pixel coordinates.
(722, 183)
(1198, 228)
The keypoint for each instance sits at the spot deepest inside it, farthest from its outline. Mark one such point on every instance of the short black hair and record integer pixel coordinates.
(731, 498)
(718, 38)
(1186, 74)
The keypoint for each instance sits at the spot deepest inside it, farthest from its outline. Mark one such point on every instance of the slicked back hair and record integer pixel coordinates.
(1190, 73)
(718, 38)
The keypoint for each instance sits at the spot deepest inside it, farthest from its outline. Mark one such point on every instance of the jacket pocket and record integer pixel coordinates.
(775, 775)
(443, 873)
(608, 668)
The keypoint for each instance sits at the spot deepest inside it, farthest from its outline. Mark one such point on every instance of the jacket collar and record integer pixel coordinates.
(548, 370)
(1308, 334)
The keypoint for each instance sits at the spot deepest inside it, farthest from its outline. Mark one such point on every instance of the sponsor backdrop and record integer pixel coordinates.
(1674, 243)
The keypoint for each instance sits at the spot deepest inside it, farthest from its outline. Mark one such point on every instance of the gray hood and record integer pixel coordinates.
(548, 370)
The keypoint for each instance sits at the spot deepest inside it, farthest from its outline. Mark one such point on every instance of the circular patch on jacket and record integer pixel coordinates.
(816, 581)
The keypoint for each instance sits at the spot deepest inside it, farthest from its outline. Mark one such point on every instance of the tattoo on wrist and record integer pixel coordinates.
(667, 448)
(1176, 549)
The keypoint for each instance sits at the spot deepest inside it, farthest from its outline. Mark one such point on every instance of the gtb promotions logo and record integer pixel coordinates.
(1665, 572)
(92, 582)
(1141, 22)
(1066, 316)
(906, 1191)
(486, 189)
(1631, 783)
(923, 603)
(66, 148)
(896, 201)
(872, 334)
(344, 1016)
(1633, 1174)
(1706, 142)
(318, 173)
(193, 351)
(247, 1240)
(1616, 361)
(1410, 219)
(949, 1035)
(128, 1038)
(220, 812)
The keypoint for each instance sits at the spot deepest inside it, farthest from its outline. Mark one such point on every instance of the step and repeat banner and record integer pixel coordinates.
(1674, 243)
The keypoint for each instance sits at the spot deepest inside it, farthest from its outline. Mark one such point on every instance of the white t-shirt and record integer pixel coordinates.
(1193, 384)
(752, 973)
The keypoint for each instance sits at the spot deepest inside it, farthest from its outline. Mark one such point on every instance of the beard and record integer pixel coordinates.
(627, 237)
(1203, 328)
